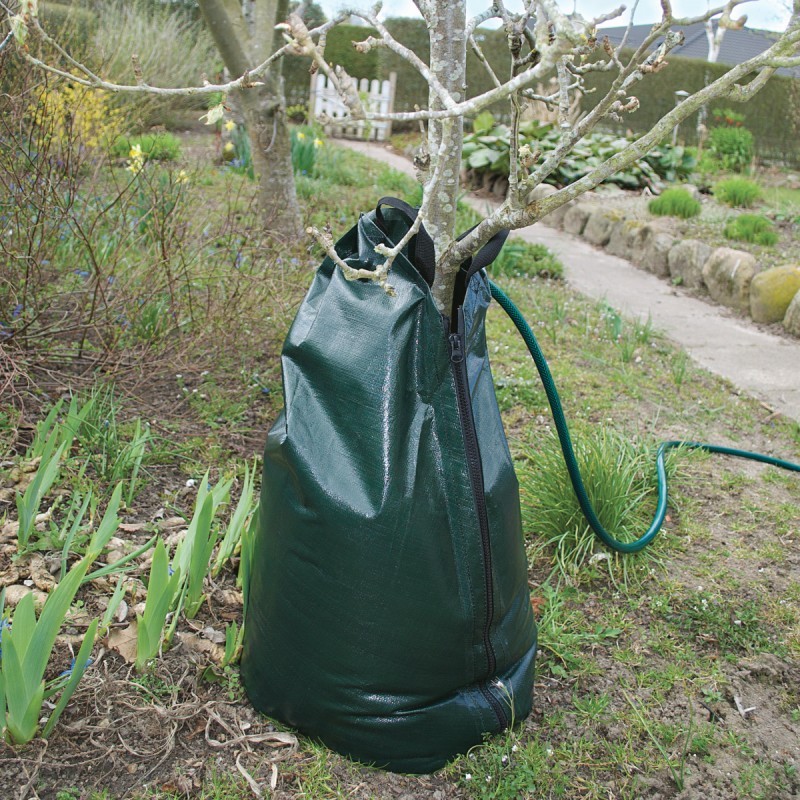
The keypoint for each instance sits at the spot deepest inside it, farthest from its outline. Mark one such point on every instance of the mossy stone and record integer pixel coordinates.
(772, 291)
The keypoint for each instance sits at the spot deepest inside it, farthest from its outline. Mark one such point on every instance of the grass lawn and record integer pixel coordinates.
(671, 674)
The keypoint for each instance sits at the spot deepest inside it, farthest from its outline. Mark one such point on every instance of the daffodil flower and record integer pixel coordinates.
(318, 142)
(301, 136)
(229, 147)
(137, 159)
(229, 125)
(182, 177)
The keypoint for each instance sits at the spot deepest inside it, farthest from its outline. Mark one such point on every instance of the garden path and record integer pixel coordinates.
(761, 363)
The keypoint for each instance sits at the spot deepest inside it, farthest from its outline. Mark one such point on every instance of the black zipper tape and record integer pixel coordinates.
(457, 342)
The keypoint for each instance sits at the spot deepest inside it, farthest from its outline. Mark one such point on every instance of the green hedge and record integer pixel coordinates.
(773, 115)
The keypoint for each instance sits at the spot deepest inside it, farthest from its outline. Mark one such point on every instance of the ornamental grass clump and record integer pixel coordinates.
(751, 228)
(738, 192)
(675, 202)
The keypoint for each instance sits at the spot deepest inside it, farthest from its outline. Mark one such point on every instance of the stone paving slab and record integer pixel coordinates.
(763, 364)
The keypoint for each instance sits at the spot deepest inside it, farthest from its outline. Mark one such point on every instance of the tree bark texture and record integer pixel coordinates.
(241, 46)
(446, 22)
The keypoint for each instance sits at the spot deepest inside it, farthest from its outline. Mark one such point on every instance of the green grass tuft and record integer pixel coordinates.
(751, 228)
(619, 476)
(738, 192)
(675, 202)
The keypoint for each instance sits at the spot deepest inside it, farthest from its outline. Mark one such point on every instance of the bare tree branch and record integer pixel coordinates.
(541, 39)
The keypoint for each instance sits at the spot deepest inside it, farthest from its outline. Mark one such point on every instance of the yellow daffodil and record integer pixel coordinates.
(229, 125)
(136, 160)
(318, 142)
(301, 136)
(182, 177)
(229, 147)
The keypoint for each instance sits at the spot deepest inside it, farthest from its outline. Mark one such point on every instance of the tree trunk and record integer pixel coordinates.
(448, 62)
(263, 106)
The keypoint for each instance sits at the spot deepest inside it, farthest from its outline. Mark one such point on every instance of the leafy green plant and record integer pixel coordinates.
(675, 202)
(751, 228)
(234, 635)
(242, 156)
(238, 522)
(113, 605)
(304, 150)
(28, 504)
(134, 456)
(154, 146)
(246, 561)
(734, 147)
(62, 430)
(162, 589)
(738, 192)
(519, 259)
(193, 553)
(219, 494)
(113, 456)
(27, 643)
(204, 537)
(486, 149)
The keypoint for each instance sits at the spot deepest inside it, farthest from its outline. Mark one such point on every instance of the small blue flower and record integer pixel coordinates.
(4, 623)
(110, 280)
(81, 273)
(170, 571)
(89, 663)
(18, 308)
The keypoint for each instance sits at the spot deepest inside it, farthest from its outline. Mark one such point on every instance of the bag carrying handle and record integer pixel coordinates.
(569, 454)
(421, 251)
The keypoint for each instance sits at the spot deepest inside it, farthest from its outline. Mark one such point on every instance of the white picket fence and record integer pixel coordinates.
(377, 96)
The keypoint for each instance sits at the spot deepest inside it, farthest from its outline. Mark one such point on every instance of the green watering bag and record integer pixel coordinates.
(389, 612)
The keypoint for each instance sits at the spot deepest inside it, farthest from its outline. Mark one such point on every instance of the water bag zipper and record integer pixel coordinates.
(457, 342)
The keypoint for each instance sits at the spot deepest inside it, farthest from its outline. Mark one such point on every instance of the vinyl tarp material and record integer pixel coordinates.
(389, 613)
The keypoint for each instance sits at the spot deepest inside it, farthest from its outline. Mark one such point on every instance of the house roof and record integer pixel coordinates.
(737, 45)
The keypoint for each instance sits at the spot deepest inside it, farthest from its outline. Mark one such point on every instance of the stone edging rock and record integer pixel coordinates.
(732, 278)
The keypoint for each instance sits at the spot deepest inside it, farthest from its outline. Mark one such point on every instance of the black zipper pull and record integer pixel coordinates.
(456, 348)
(458, 339)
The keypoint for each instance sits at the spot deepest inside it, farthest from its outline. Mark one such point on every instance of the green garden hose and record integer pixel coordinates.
(569, 454)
